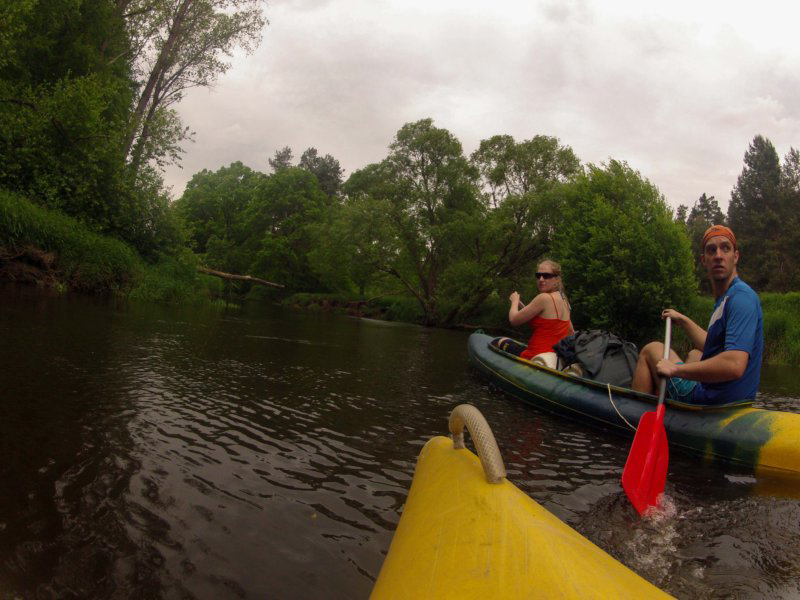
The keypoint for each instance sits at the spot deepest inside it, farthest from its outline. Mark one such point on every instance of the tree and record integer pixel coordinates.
(623, 257)
(354, 245)
(280, 224)
(181, 44)
(213, 208)
(418, 217)
(426, 186)
(754, 213)
(508, 168)
(282, 159)
(788, 276)
(325, 168)
(704, 214)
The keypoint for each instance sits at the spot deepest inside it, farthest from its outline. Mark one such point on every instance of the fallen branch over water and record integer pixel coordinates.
(223, 275)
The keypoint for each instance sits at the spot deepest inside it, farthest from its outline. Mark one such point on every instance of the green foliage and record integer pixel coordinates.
(84, 260)
(325, 168)
(280, 223)
(509, 168)
(177, 45)
(175, 280)
(704, 214)
(623, 257)
(213, 207)
(353, 244)
(419, 217)
(281, 160)
(244, 222)
(781, 327)
(425, 187)
(754, 213)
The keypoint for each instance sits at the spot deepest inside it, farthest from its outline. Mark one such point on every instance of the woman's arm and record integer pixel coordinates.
(519, 313)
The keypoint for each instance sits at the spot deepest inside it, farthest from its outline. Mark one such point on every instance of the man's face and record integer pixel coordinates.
(720, 258)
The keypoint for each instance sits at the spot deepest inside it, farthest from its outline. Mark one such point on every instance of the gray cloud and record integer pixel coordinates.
(678, 98)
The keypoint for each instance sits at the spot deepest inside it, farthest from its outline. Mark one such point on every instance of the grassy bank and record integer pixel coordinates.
(47, 248)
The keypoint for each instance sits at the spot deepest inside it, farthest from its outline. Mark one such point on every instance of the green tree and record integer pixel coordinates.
(682, 213)
(325, 168)
(180, 44)
(624, 259)
(212, 209)
(65, 94)
(354, 246)
(754, 214)
(282, 159)
(427, 186)
(418, 217)
(704, 214)
(508, 168)
(787, 277)
(280, 225)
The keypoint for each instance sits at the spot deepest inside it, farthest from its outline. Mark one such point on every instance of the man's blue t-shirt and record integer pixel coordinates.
(735, 324)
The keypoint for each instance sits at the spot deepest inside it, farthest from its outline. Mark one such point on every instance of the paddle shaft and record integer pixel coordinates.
(662, 387)
(662, 392)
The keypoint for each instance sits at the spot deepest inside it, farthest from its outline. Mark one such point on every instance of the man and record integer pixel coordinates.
(726, 364)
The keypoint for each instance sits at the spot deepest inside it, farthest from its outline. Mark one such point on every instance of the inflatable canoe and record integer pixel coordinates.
(461, 536)
(766, 441)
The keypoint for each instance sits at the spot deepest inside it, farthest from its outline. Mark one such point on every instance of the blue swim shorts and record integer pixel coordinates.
(681, 390)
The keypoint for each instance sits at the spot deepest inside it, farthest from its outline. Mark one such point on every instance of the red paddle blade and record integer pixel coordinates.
(645, 472)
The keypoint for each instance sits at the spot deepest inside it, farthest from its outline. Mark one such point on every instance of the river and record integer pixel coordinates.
(152, 452)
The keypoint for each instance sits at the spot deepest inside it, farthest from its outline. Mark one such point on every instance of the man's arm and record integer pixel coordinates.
(725, 366)
(696, 334)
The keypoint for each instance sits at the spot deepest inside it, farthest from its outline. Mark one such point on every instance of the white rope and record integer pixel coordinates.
(610, 399)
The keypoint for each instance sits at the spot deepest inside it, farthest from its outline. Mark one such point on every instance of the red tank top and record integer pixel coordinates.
(546, 333)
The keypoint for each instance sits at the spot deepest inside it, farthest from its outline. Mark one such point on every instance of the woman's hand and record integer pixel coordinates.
(514, 297)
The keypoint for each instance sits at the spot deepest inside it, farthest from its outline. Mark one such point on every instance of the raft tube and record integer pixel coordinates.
(765, 441)
(462, 537)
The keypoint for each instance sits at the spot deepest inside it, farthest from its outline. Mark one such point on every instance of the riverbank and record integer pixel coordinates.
(48, 249)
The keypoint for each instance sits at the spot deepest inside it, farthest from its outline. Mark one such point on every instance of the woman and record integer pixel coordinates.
(548, 313)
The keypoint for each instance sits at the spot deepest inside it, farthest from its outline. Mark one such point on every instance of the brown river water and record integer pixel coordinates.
(148, 452)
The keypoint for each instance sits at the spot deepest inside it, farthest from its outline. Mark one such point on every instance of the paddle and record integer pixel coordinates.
(645, 470)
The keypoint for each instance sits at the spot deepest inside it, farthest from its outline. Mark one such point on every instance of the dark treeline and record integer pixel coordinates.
(87, 123)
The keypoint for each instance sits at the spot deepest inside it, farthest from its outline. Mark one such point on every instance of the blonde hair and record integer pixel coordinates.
(556, 268)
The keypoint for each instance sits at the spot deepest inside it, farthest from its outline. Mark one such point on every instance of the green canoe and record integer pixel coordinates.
(764, 440)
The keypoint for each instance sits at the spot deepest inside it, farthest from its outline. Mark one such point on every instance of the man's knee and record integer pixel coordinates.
(653, 350)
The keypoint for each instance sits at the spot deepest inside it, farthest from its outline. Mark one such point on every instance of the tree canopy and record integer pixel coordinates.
(623, 257)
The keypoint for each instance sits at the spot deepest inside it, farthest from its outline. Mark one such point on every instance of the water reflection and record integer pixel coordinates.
(161, 453)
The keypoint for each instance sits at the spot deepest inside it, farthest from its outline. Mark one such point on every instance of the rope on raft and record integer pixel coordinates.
(610, 399)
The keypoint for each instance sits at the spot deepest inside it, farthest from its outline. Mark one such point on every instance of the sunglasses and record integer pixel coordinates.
(546, 275)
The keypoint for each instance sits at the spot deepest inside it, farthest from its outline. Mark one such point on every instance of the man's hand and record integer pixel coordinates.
(677, 318)
(666, 368)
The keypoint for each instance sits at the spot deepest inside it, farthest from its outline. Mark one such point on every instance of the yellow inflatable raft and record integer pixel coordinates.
(462, 537)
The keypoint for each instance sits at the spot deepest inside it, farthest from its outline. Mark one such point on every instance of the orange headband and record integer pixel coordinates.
(715, 230)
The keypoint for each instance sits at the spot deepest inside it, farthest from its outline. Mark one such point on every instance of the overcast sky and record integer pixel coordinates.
(677, 89)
